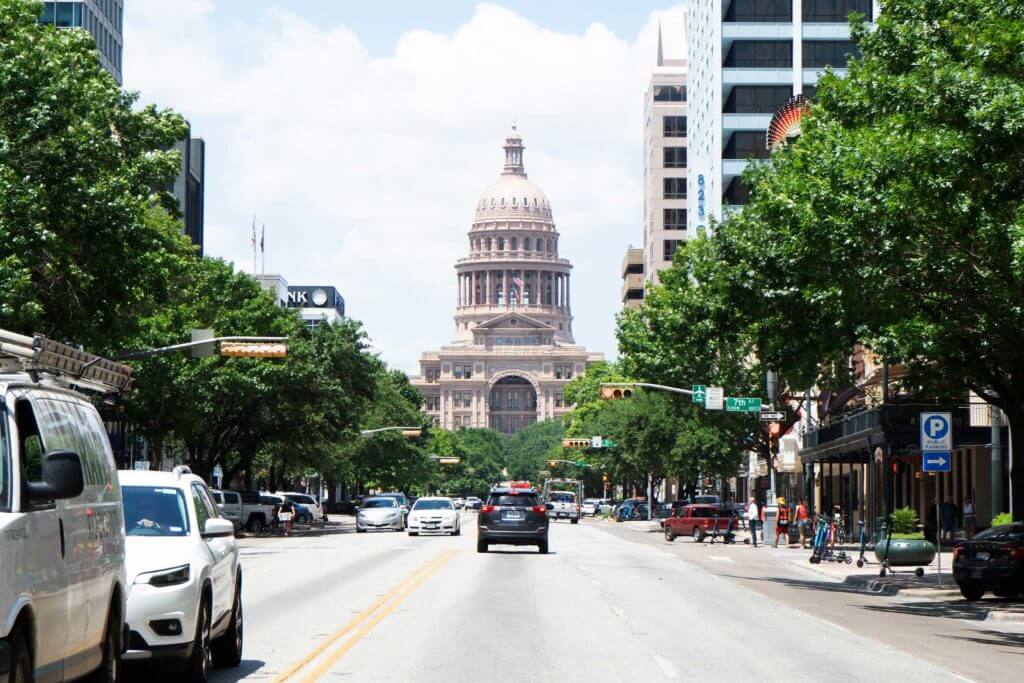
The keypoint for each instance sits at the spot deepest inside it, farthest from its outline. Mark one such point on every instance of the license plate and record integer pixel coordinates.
(981, 555)
(513, 515)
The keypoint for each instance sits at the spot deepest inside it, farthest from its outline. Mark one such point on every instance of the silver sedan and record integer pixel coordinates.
(380, 513)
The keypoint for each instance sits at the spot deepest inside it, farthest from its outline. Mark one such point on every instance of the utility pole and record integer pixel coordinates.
(995, 419)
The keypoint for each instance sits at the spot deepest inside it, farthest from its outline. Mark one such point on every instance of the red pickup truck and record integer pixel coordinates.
(697, 521)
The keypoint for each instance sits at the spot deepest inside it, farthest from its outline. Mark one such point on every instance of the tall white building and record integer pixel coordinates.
(664, 158)
(746, 59)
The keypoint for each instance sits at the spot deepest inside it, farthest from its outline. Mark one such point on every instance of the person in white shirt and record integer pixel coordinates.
(752, 519)
(970, 523)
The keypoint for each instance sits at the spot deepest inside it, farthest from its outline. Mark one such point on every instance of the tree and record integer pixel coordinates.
(84, 246)
(531, 447)
(897, 219)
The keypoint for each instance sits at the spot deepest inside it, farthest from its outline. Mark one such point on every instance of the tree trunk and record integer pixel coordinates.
(1015, 420)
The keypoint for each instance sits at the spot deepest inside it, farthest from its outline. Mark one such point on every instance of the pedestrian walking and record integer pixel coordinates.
(752, 519)
(970, 524)
(782, 524)
(948, 514)
(287, 516)
(803, 522)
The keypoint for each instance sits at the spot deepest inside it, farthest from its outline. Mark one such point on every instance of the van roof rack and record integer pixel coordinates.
(38, 355)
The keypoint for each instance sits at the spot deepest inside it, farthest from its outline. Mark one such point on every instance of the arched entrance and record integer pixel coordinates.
(511, 404)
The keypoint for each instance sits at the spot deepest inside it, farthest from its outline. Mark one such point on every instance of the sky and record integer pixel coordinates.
(362, 135)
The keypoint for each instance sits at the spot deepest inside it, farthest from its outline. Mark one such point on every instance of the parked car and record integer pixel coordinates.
(473, 503)
(697, 520)
(991, 561)
(380, 512)
(229, 505)
(513, 516)
(708, 499)
(590, 506)
(63, 610)
(257, 512)
(459, 502)
(182, 559)
(306, 500)
(631, 509)
(434, 515)
(671, 510)
(403, 502)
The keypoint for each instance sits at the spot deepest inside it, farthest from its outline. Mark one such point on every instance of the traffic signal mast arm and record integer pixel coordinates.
(622, 386)
(134, 355)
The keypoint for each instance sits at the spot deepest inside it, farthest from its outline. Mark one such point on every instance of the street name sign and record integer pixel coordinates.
(741, 404)
(608, 443)
(936, 442)
(596, 442)
(773, 416)
(699, 393)
(714, 397)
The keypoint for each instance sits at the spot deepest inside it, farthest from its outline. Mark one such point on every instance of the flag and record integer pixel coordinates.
(263, 236)
(518, 284)
(253, 231)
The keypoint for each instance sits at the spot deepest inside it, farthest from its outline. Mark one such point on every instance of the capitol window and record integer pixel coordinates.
(526, 244)
(487, 244)
(513, 244)
(503, 202)
(501, 244)
(515, 202)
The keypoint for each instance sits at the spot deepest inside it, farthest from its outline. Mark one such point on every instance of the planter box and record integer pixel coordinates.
(906, 553)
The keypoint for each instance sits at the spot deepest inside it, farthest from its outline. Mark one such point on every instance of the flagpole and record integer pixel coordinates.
(253, 240)
(263, 249)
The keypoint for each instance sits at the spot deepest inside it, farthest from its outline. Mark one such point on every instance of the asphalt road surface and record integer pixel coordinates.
(605, 605)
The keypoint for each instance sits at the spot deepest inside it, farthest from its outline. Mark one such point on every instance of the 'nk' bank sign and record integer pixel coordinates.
(936, 442)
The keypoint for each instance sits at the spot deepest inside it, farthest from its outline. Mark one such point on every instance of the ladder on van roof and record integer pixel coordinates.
(42, 357)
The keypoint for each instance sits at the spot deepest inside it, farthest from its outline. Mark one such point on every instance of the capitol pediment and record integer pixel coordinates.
(514, 321)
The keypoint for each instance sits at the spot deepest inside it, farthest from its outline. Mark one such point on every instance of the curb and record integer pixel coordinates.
(1005, 617)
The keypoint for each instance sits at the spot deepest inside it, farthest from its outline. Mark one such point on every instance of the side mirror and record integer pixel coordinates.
(217, 527)
(62, 477)
(549, 506)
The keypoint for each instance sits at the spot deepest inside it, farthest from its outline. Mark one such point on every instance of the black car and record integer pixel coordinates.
(991, 561)
(512, 517)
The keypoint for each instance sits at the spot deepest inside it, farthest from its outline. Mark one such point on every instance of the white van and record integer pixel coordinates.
(62, 577)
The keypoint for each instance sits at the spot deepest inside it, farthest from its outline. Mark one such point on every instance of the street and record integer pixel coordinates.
(607, 603)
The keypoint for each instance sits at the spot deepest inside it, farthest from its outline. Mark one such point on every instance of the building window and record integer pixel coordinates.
(513, 244)
(810, 91)
(549, 246)
(669, 249)
(458, 372)
(558, 401)
(760, 10)
(487, 243)
(747, 145)
(760, 54)
(563, 371)
(432, 374)
(675, 188)
(527, 244)
(834, 11)
(757, 99)
(835, 53)
(669, 93)
(675, 219)
(737, 194)
(463, 371)
(674, 126)
(501, 244)
(675, 157)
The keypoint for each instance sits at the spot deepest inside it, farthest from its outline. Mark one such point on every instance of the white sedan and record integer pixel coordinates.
(181, 561)
(435, 515)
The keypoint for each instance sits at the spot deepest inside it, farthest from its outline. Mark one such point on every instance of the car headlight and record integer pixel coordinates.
(167, 577)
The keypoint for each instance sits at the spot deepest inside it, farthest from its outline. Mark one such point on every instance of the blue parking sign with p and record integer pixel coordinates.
(936, 442)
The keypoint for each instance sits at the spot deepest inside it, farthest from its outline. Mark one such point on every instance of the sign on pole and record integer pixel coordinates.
(596, 442)
(714, 398)
(142, 465)
(699, 393)
(218, 475)
(608, 443)
(742, 404)
(936, 442)
(773, 416)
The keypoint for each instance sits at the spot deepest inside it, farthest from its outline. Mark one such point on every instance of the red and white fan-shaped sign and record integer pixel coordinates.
(785, 123)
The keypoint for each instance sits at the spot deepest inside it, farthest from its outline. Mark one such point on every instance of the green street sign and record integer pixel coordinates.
(608, 443)
(741, 404)
(700, 392)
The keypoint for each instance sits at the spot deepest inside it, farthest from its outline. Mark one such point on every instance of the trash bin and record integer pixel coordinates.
(771, 513)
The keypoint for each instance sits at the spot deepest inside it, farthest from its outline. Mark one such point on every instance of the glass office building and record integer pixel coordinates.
(104, 19)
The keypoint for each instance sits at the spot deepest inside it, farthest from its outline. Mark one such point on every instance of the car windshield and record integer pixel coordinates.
(154, 511)
(379, 503)
(301, 498)
(1006, 532)
(218, 497)
(433, 505)
(513, 500)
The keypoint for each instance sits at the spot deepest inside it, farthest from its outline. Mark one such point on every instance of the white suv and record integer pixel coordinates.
(185, 596)
(62, 575)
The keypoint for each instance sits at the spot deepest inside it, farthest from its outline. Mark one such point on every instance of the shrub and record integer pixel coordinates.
(904, 521)
(1002, 518)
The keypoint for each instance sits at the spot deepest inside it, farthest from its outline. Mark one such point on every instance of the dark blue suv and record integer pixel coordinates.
(512, 517)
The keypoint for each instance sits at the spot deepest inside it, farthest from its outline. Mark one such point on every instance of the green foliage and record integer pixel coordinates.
(904, 521)
(1002, 518)
(483, 454)
(84, 245)
(531, 447)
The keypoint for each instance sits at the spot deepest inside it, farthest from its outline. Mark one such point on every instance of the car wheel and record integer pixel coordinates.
(109, 670)
(227, 649)
(414, 533)
(971, 592)
(481, 546)
(698, 535)
(21, 661)
(669, 536)
(542, 547)
(255, 525)
(458, 531)
(360, 531)
(202, 657)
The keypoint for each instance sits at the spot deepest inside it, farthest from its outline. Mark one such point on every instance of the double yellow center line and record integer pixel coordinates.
(359, 625)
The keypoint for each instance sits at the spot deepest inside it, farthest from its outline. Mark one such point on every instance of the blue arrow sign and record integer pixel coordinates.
(937, 462)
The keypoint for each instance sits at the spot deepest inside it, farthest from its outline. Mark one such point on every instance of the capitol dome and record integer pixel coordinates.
(513, 196)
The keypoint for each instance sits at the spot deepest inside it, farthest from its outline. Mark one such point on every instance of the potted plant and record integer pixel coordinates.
(907, 546)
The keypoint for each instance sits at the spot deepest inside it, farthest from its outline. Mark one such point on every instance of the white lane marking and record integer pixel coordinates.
(618, 611)
(666, 666)
(720, 558)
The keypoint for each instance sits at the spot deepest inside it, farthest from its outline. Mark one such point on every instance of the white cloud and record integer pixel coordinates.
(366, 169)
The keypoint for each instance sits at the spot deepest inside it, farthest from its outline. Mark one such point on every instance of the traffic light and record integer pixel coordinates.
(552, 463)
(413, 433)
(604, 478)
(576, 443)
(616, 392)
(254, 349)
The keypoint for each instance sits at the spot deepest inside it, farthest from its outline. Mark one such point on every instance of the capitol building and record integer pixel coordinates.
(513, 351)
